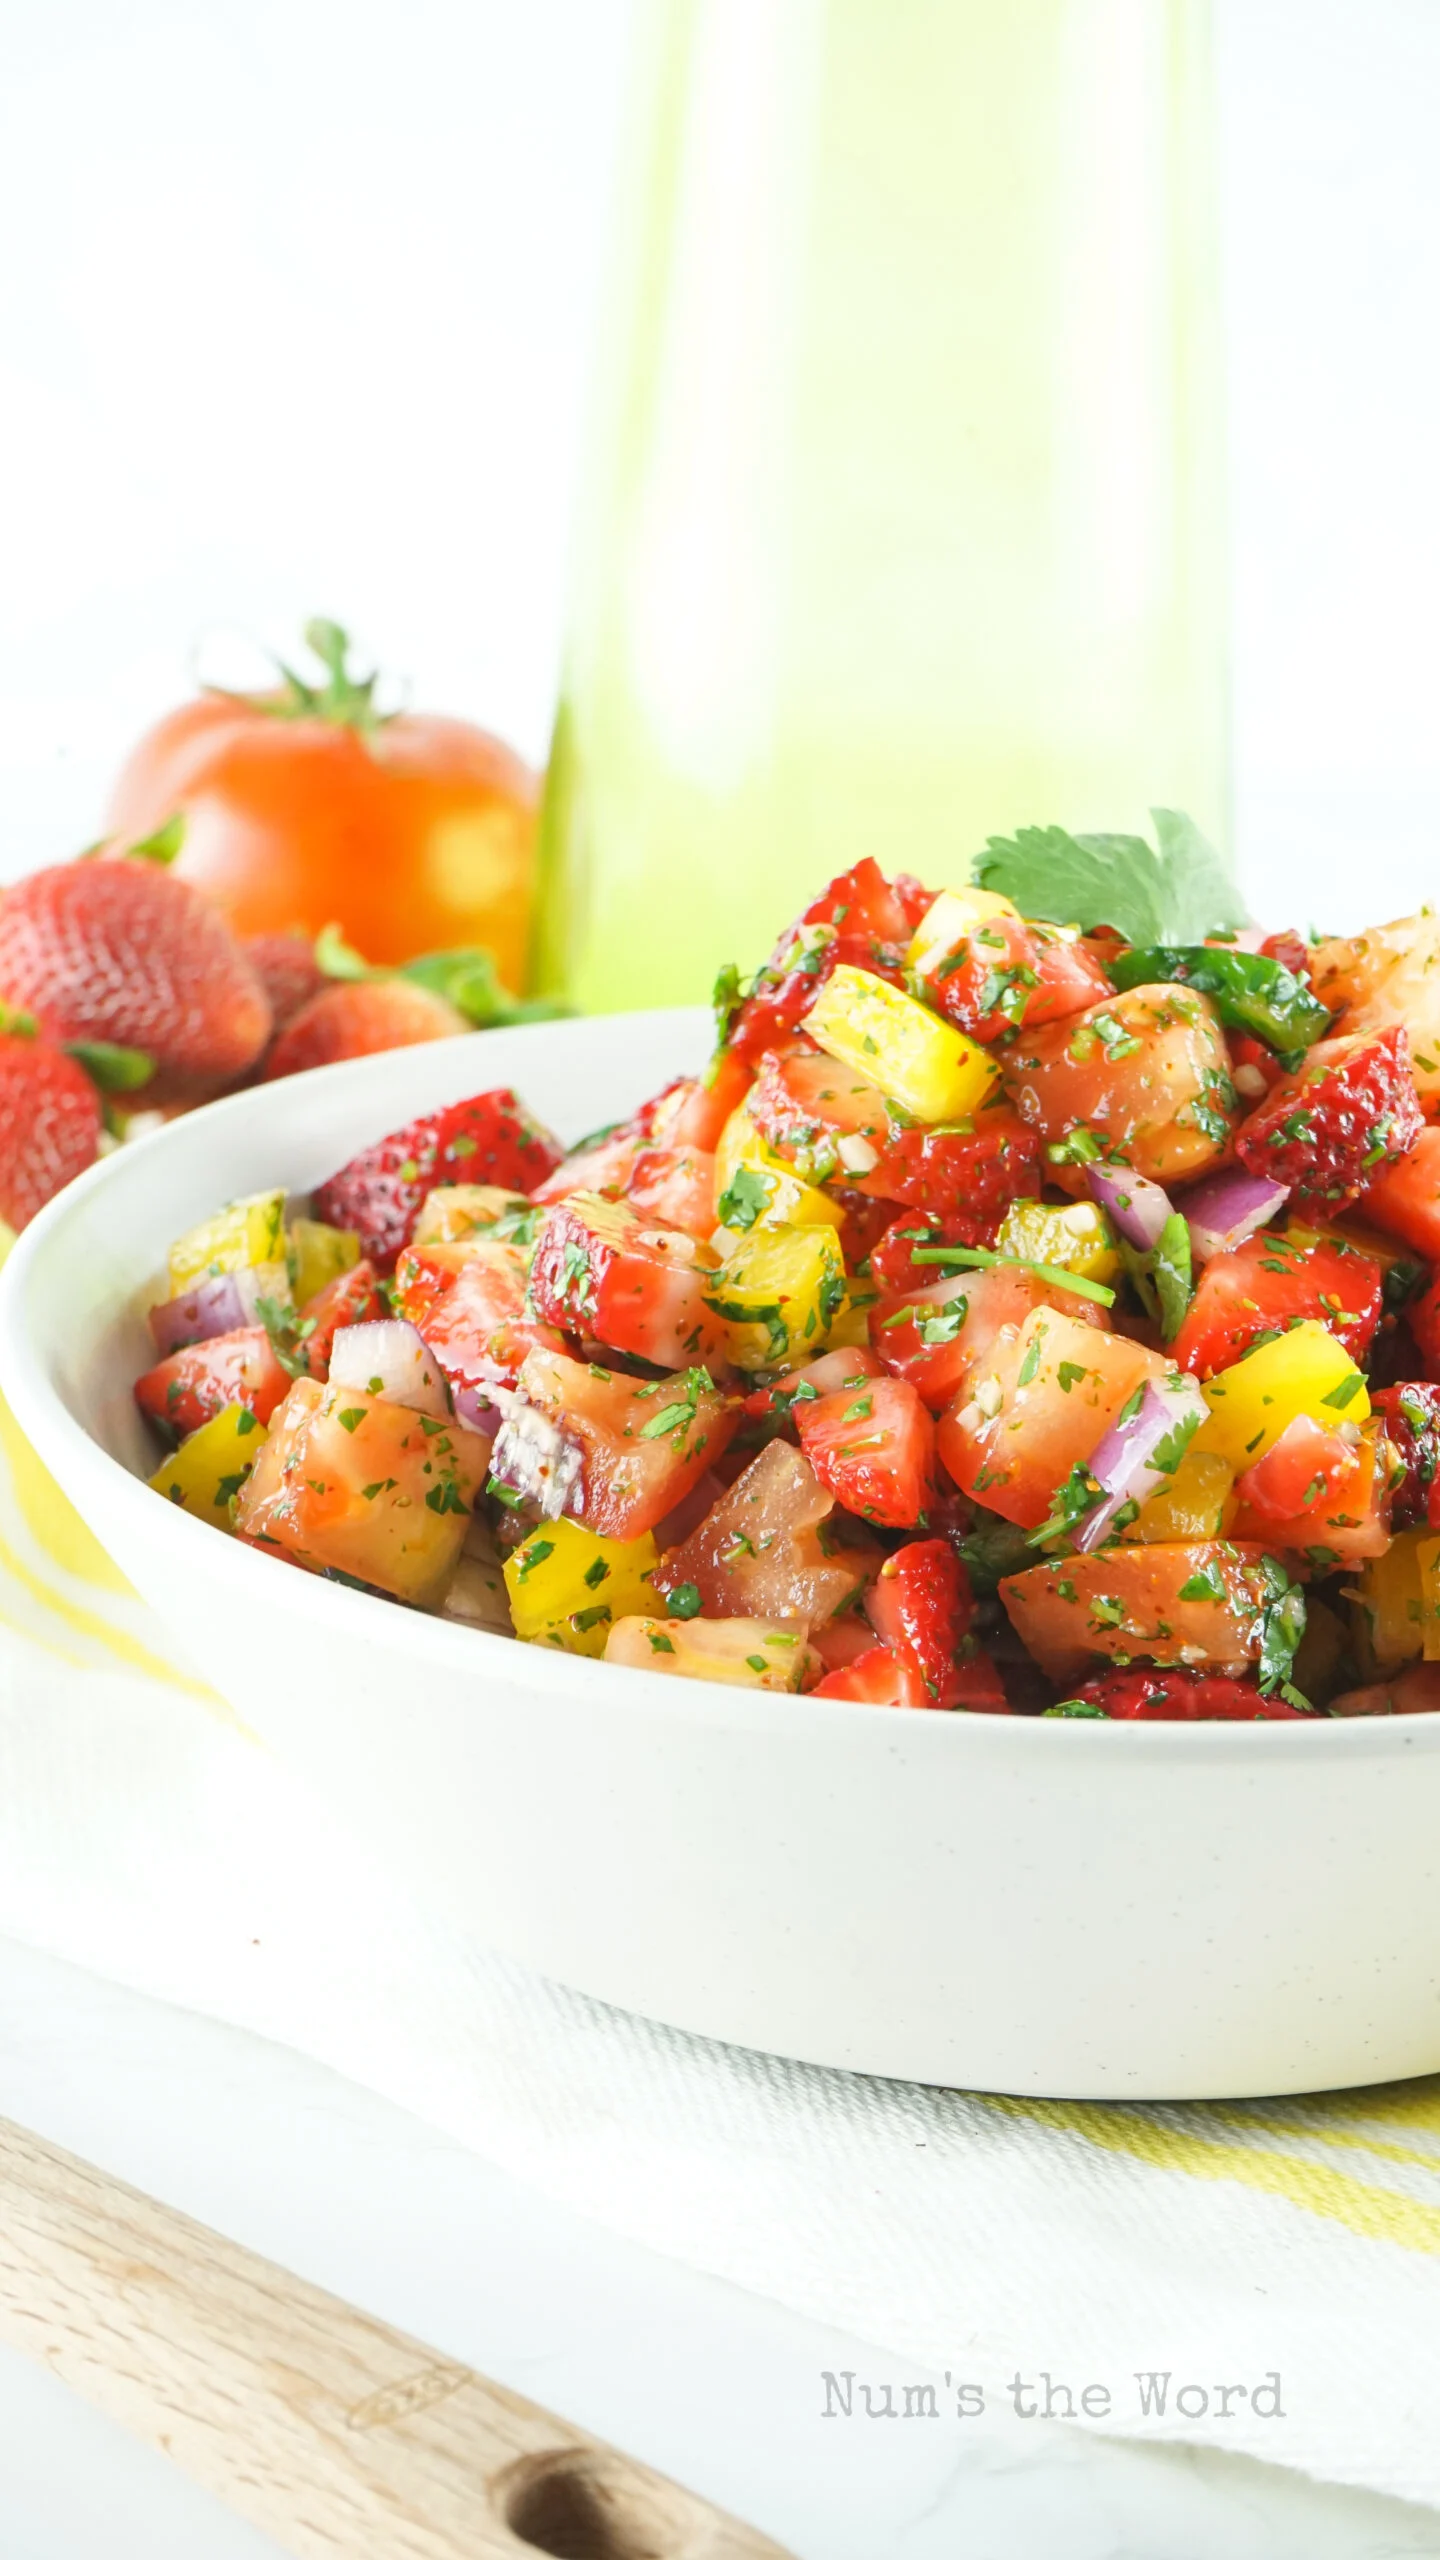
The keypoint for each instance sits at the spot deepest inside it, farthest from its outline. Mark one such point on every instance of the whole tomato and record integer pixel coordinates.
(306, 806)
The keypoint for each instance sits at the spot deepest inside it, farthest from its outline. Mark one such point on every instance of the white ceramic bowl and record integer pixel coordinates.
(1064, 1908)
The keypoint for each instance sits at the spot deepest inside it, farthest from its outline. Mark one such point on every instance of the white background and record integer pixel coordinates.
(296, 304)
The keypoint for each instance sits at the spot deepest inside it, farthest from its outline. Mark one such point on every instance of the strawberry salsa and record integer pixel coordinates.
(1034, 1308)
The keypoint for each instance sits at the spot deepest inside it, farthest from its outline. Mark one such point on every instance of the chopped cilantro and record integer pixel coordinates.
(1178, 894)
(685, 1601)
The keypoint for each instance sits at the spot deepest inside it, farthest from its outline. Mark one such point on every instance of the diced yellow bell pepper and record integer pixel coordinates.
(1427, 1558)
(787, 1200)
(750, 1653)
(1198, 1502)
(1303, 1371)
(1078, 1238)
(1391, 1595)
(567, 1587)
(949, 921)
(918, 1059)
(247, 1233)
(206, 1472)
(318, 1255)
(851, 1328)
(454, 1211)
(778, 1293)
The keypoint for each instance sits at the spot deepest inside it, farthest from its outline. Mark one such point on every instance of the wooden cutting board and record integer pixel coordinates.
(340, 2437)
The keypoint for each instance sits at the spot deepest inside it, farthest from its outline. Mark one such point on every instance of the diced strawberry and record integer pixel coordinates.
(674, 1187)
(863, 1222)
(605, 1165)
(806, 1107)
(875, 1449)
(1306, 1466)
(921, 1604)
(1404, 1200)
(1423, 1318)
(1411, 1415)
(195, 1384)
(380, 1193)
(1180, 1697)
(960, 1174)
(823, 1377)
(1267, 1284)
(599, 1272)
(1007, 971)
(861, 918)
(352, 1297)
(878, 1677)
(693, 1111)
(636, 1446)
(467, 1303)
(1326, 1130)
(893, 1268)
(1291, 950)
(978, 1686)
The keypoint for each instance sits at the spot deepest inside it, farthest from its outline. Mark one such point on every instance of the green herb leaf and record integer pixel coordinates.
(1176, 894)
(745, 1200)
(684, 1601)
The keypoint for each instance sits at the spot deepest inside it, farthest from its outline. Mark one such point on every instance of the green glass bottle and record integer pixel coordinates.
(903, 523)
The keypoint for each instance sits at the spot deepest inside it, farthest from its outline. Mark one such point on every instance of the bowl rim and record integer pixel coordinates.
(46, 1419)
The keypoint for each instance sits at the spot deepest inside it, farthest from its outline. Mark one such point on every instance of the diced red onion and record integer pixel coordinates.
(1229, 1207)
(479, 1411)
(1137, 1207)
(534, 1458)
(388, 1359)
(223, 1303)
(1123, 1463)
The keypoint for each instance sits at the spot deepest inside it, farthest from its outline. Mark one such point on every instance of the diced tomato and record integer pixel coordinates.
(693, 1111)
(1404, 1200)
(1180, 1697)
(352, 1297)
(763, 1551)
(605, 1166)
(380, 1193)
(921, 1603)
(1035, 1407)
(1343, 1526)
(1267, 1284)
(961, 1173)
(1351, 1108)
(878, 1677)
(638, 1444)
(862, 1224)
(936, 1337)
(875, 1449)
(805, 1105)
(1256, 1069)
(1148, 1072)
(1008, 971)
(1203, 1602)
(841, 1641)
(1305, 1467)
(349, 1483)
(674, 1187)
(1411, 1415)
(195, 1384)
(467, 1303)
(638, 1289)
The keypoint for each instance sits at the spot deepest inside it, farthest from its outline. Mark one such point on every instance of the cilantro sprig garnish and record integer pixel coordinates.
(1175, 891)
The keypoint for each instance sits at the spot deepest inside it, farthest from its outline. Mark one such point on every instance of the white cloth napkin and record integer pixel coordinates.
(1289, 2249)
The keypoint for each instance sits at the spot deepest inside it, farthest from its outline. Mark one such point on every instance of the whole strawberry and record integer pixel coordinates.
(354, 1018)
(49, 1122)
(288, 971)
(123, 952)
